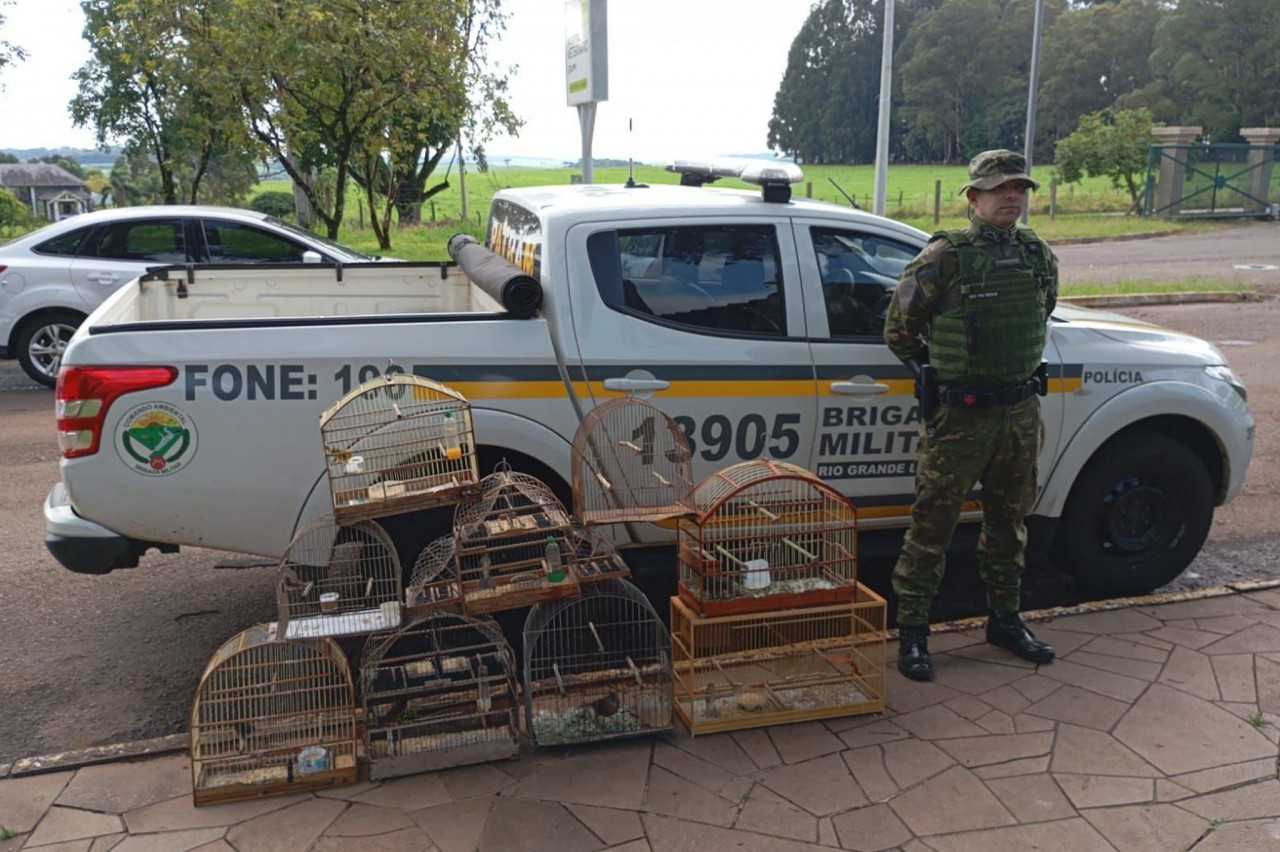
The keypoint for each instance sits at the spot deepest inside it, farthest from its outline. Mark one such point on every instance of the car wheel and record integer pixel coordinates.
(41, 342)
(1136, 517)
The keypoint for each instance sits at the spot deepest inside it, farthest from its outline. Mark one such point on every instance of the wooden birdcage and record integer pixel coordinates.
(772, 668)
(596, 667)
(766, 535)
(439, 692)
(434, 582)
(514, 544)
(397, 444)
(338, 580)
(272, 716)
(596, 558)
(631, 462)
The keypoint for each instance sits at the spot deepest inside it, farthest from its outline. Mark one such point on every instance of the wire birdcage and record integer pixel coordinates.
(439, 692)
(596, 558)
(631, 462)
(766, 535)
(514, 544)
(772, 668)
(434, 582)
(596, 667)
(338, 580)
(272, 716)
(395, 444)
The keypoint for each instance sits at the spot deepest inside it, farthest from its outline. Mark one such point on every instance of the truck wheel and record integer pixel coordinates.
(1136, 517)
(41, 342)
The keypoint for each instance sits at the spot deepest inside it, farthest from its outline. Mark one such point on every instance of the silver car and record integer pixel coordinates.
(52, 278)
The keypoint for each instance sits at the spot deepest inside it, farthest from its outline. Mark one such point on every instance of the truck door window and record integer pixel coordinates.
(724, 278)
(859, 272)
(231, 242)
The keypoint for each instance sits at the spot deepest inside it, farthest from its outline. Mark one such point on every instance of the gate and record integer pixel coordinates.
(1199, 180)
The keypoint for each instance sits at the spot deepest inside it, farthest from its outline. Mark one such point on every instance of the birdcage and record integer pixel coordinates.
(772, 668)
(514, 544)
(272, 716)
(595, 556)
(631, 462)
(439, 692)
(766, 535)
(596, 667)
(397, 444)
(434, 582)
(337, 580)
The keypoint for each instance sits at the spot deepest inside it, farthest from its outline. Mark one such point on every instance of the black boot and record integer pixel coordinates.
(1006, 630)
(913, 651)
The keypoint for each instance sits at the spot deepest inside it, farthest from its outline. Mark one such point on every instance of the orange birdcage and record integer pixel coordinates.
(766, 535)
(631, 462)
(396, 444)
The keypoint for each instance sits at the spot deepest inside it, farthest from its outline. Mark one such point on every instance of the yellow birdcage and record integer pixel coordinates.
(631, 462)
(272, 716)
(596, 667)
(773, 668)
(439, 692)
(766, 535)
(514, 544)
(395, 444)
(338, 580)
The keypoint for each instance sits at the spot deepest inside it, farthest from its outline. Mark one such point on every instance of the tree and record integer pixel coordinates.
(99, 184)
(135, 180)
(13, 213)
(6, 157)
(278, 204)
(1109, 142)
(9, 53)
(63, 161)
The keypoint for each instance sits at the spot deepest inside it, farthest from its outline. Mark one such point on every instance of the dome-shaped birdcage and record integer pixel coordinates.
(272, 716)
(439, 692)
(596, 558)
(434, 582)
(596, 667)
(398, 443)
(337, 580)
(766, 535)
(631, 462)
(513, 544)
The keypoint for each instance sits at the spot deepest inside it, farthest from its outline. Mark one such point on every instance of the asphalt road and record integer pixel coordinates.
(96, 660)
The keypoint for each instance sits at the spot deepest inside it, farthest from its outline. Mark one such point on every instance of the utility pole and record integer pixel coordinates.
(1030, 145)
(882, 128)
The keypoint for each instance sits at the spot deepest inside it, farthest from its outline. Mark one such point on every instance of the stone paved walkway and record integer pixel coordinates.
(1155, 730)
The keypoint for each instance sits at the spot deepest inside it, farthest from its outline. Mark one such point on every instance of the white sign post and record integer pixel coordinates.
(586, 55)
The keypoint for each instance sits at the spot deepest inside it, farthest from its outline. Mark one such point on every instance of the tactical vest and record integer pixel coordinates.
(996, 333)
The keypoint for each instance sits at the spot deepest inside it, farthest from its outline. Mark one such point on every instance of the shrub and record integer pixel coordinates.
(274, 204)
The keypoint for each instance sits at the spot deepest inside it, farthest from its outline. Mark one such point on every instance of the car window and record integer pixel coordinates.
(64, 244)
(859, 272)
(232, 242)
(157, 241)
(723, 278)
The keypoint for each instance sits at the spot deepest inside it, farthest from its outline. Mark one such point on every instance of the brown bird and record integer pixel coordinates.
(606, 706)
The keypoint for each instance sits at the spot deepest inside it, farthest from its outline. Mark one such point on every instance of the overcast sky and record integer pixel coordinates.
(696, 77)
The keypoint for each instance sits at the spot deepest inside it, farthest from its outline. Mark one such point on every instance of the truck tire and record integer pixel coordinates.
(1136, 517)
(42, 340)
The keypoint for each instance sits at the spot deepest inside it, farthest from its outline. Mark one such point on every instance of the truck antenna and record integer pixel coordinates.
(631, 163)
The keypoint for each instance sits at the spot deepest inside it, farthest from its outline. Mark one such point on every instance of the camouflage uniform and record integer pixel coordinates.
(997, 446)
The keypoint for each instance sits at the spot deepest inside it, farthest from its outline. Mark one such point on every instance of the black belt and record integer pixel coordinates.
(988, 396)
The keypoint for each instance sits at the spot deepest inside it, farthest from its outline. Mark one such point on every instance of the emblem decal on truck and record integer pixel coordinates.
(156, 439)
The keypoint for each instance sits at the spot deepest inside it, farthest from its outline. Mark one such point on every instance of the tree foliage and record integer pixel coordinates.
(62, 161)
(279, 204)
(1111, 143)
(9, 53)
(13, 213)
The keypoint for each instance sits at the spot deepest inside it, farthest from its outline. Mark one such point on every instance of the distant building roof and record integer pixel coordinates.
(37, 174)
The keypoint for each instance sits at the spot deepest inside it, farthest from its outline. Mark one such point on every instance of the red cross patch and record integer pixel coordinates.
(970, 400)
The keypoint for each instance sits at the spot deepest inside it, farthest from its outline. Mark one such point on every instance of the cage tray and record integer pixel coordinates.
(343, 623)
(512, 591)
(395, 497)
(762, 601)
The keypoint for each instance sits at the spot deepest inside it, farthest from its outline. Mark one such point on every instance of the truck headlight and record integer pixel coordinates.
(1223, 373)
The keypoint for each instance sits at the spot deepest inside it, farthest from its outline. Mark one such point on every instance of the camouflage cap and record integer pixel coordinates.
(993, 168)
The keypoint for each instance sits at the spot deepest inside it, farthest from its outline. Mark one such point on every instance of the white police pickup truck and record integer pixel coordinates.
(188, 404)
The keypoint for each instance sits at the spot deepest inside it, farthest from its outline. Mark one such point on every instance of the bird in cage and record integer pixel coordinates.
(605, 707)
(391, 712)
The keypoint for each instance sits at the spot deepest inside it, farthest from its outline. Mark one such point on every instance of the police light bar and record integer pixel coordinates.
(774, 177)
(699, 172)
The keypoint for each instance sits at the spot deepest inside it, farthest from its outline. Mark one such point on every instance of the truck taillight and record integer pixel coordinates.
(85, 395)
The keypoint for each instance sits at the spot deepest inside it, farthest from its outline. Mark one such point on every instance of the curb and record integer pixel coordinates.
(77, 759)
(1135, 299)
(1115, 238)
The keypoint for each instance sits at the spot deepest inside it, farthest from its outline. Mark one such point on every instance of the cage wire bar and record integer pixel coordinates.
(439, 692)
(271, 717)
(596, 667)
(596, 558)
(396, 444)
(434, 581)
(771, 668)
(631, 462)
(766, 535)
(514, 544)
(338, 580)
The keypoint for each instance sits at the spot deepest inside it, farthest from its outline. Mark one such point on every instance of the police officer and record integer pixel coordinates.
(969, 318)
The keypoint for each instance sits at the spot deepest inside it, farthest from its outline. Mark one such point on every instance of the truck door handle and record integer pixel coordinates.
(636, 385)
(858, 388)
(103, 277)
